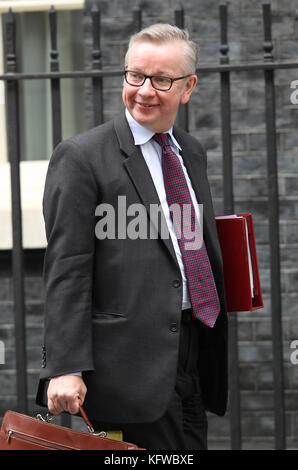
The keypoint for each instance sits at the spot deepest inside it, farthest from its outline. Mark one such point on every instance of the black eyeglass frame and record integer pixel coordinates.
(153, 76)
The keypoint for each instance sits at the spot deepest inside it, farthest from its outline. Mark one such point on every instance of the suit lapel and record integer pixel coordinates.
(139, 173)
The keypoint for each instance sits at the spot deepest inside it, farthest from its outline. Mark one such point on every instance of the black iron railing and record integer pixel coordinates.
(96, 74)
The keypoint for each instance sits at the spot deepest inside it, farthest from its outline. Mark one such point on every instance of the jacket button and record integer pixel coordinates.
(176, 283)
(174, 327)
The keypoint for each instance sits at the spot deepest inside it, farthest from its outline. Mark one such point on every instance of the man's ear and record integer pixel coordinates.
(189, 88)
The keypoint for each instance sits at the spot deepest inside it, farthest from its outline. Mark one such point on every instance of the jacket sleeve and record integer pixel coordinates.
(70, 199)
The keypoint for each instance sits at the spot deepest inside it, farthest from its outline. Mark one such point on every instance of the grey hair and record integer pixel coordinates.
(162, 32)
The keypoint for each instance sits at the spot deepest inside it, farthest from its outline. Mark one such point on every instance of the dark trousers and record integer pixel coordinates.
(184, 425)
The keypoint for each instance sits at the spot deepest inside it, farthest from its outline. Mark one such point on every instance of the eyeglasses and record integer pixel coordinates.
(159, 82)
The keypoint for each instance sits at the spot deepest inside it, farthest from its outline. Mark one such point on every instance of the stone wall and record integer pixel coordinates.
(250, 189)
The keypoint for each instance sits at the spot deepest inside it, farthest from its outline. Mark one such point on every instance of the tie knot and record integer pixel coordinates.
(162, 139)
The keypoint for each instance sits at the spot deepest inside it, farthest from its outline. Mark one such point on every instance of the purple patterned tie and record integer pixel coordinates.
(201, 286)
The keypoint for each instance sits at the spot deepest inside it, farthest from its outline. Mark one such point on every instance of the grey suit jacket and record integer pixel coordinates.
(113, 306)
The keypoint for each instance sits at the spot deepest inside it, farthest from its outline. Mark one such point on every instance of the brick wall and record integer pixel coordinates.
(34, 324)
(250, 188)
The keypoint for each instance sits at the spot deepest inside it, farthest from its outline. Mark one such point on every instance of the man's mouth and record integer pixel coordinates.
(146, 105)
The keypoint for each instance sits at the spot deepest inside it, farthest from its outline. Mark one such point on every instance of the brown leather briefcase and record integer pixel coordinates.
(21, 432)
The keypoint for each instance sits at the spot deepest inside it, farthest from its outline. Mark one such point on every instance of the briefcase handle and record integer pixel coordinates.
(87, 422)
(49, 417)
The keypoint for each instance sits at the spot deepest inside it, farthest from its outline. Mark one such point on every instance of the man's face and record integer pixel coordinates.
(153, 109)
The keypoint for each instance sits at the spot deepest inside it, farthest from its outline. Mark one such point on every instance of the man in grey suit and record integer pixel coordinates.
(132, 330)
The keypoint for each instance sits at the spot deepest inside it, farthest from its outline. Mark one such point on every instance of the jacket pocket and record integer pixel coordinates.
(96, 314)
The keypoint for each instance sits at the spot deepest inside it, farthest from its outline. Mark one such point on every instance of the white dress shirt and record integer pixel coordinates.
(151, 151)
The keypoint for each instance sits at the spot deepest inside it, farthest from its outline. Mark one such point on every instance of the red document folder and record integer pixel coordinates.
(240, 264)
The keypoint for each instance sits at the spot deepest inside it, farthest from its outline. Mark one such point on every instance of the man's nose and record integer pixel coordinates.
(147, 87)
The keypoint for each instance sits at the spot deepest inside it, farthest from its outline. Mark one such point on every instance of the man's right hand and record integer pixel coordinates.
(66, 393)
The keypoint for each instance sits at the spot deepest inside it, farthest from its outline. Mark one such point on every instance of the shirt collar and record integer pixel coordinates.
(142, 135)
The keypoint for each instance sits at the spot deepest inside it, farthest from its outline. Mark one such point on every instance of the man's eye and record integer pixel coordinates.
(161, 80)
(136, 76)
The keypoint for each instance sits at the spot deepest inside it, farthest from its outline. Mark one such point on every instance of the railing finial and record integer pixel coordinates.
(223, 19)
(267, 21)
